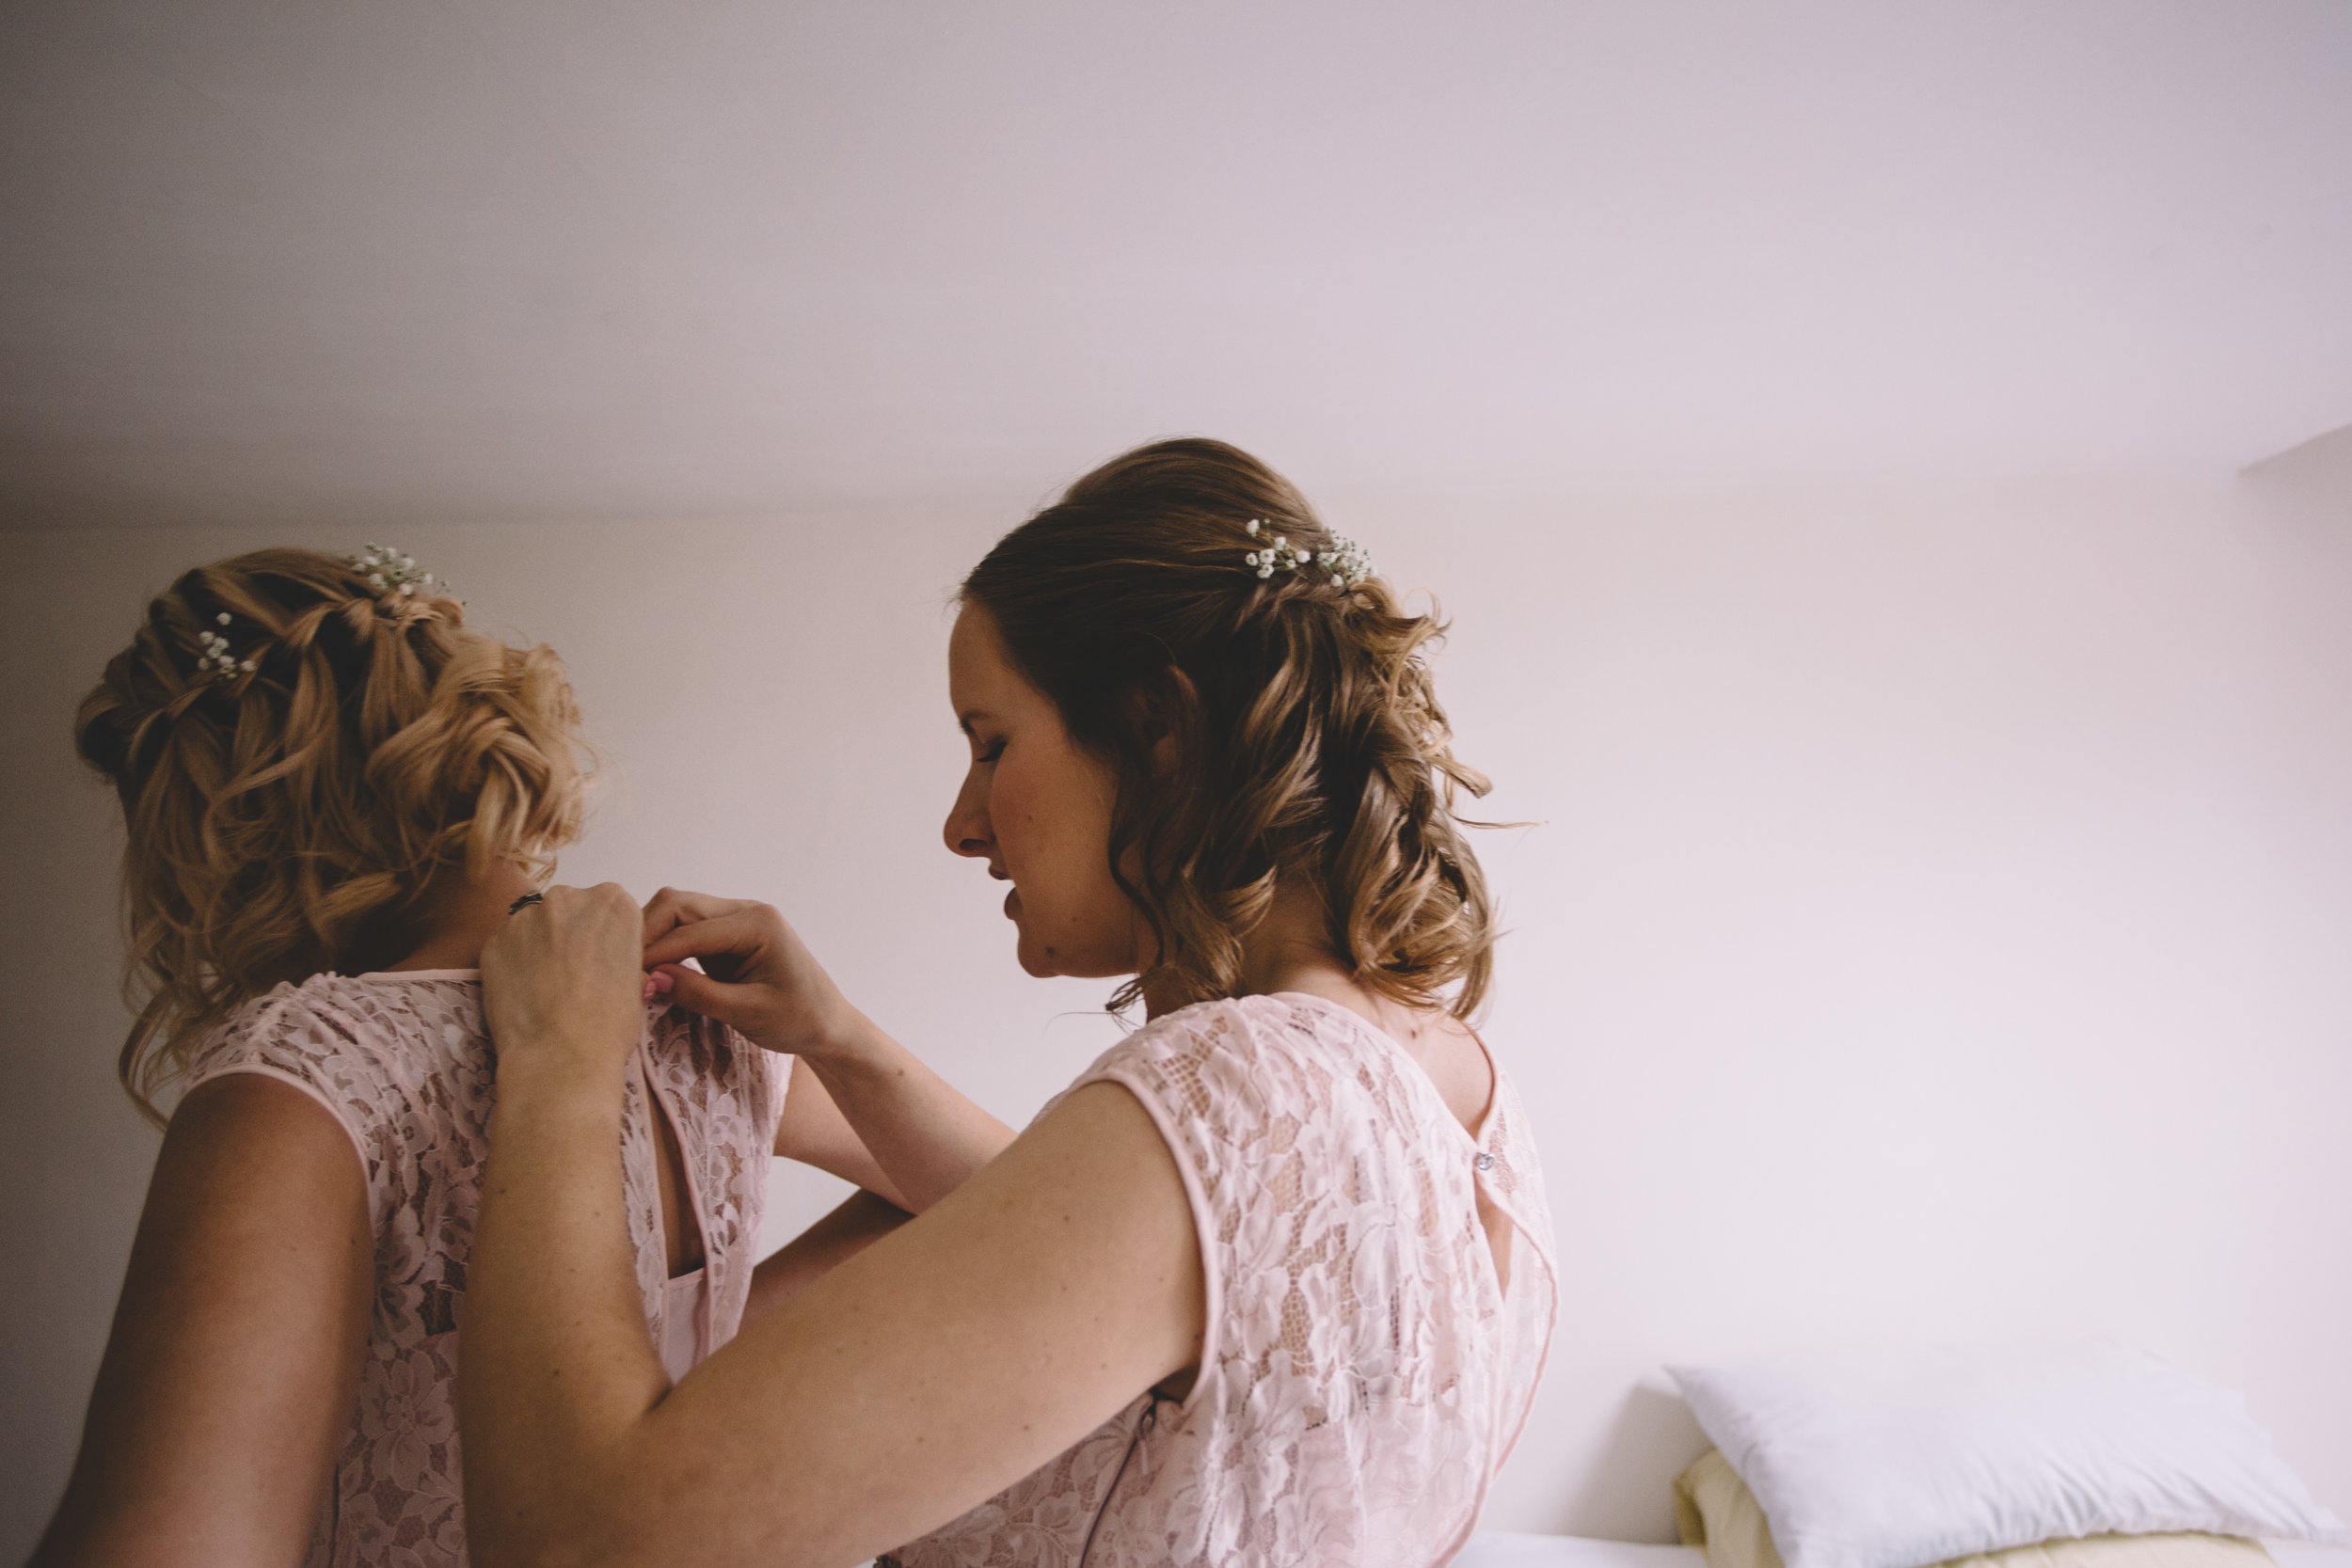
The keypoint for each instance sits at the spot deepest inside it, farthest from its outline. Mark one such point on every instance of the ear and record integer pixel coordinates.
(1162, 716)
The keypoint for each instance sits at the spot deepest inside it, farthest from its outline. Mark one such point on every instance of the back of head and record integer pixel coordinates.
(1311, 747)
(304, 745)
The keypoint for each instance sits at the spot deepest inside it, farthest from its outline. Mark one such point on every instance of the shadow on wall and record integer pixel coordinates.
(1652, 1437)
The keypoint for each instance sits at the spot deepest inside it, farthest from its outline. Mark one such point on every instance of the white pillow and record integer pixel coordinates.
(1892, 1459)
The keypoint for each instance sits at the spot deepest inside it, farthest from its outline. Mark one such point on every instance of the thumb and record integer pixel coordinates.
(697, 992)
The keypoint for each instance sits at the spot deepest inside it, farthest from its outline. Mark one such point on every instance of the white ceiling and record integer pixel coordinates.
(530, 258)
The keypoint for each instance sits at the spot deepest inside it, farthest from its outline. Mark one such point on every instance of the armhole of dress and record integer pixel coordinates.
(1204, 1227)
(264, 1069)
(770, 1070)
(778, 1069)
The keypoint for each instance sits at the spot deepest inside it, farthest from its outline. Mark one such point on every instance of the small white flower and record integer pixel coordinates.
(222, 617)
(1265, 571)
(390, 571)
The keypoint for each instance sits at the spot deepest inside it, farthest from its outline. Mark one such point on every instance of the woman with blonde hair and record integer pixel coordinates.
(1271, 1283)
(334, 791)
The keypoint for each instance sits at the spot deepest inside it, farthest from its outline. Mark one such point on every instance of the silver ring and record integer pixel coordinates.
(526, 899)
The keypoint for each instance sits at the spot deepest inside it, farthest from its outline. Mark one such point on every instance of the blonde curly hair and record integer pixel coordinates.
(1312, 744)
(289, 802)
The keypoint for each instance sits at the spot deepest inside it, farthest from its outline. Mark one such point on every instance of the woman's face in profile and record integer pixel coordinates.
(1037, 809)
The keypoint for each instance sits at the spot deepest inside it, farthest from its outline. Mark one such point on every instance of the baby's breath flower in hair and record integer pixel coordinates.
(1345, 560)
(389, 571)
(216, 661)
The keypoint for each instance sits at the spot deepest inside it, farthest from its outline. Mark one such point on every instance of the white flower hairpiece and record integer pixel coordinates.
(1346, 560)
(216, 662)
(388, 571)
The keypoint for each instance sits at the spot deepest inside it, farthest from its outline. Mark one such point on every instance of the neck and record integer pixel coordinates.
(1290, 950)
(455, 919)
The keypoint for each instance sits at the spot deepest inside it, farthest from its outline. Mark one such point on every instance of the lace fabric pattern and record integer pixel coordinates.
(403, 1062)
(1364, 1368)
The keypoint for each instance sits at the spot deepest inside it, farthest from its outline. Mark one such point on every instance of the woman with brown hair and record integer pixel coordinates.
(334, 790)
(1271, 1283)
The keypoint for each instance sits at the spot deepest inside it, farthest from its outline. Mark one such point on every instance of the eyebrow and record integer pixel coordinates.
(964, 720)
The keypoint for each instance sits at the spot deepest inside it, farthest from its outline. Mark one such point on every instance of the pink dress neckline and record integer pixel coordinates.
(1475, 1137)
(392, 976)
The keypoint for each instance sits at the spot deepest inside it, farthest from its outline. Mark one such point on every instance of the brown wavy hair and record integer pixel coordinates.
(288, 818)
(1311, 741)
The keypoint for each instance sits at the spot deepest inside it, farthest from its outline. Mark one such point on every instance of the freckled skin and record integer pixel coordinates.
(1037, 809)
(1036, 1300)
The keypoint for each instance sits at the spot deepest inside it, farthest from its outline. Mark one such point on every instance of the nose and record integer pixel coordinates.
(967, 831)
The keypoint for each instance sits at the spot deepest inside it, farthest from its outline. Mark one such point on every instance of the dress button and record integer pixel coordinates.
(1484, 1161)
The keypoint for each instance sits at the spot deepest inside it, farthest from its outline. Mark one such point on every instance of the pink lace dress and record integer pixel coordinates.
(402, 1061)
(1365, 1368)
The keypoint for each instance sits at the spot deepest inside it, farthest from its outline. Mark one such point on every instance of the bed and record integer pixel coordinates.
(1507, 1549)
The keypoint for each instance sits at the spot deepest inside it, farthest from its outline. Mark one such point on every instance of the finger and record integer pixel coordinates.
(674, 907)
(736, 934)
(699, 994)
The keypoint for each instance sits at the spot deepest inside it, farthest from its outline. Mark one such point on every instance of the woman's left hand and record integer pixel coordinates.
(561, 980)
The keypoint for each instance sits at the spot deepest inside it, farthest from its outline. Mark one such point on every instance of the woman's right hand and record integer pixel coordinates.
(881, 1107)
(757, 977)
(560, 985)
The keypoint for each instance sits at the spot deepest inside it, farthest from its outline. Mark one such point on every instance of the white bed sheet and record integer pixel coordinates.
(1493, 1549)
(1507, 1549)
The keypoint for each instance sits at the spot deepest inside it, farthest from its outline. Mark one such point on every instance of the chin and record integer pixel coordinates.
(1041, 962)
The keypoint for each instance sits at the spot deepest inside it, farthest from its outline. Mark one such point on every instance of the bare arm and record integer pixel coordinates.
(941, 1364)
(922, 1134)
(814, 1131)
(858, 1223)
(230, 1374)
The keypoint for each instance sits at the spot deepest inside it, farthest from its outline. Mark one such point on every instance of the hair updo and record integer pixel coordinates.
(1310, 742)
(290, 800)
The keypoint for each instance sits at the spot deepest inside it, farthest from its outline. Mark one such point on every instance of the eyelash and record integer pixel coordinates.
(993, 752)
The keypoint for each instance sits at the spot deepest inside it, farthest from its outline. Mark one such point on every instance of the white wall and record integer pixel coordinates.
(1935, 918)
(554, 259)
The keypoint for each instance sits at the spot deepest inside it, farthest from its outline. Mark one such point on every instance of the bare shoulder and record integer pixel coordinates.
(233, 1358)
(1094, 1164)
(248, 1157)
